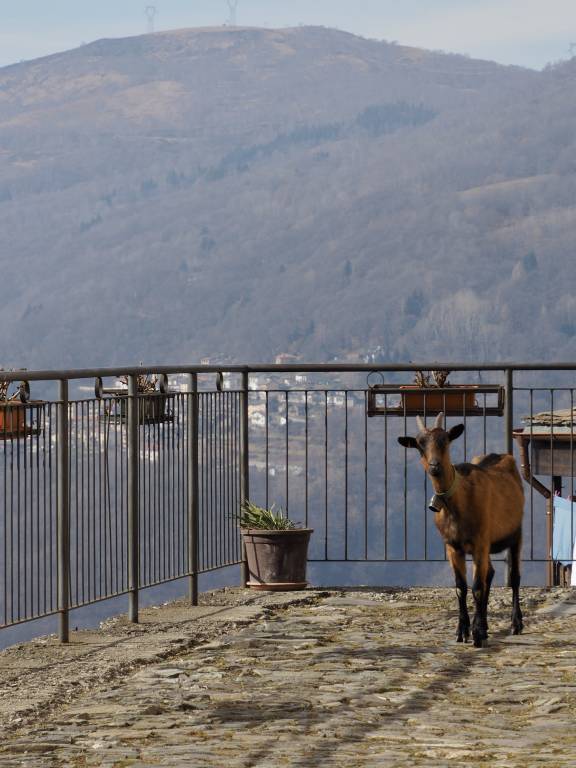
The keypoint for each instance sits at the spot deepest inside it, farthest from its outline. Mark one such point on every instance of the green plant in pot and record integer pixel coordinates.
(276, 548)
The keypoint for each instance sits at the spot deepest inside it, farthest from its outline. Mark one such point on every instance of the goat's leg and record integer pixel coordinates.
(489, 577)
(458, 563)
(515, 551)
(480, 591)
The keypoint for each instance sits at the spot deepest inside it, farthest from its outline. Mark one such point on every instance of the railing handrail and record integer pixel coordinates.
(90, 373)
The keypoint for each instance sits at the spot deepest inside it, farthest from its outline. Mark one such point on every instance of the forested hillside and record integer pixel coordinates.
(236, 193)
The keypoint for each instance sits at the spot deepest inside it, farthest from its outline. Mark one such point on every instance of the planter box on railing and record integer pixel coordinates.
(453, 400)
(151, 408)
(14, 421)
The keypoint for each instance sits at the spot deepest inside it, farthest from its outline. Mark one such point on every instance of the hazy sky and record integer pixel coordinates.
(527, 32)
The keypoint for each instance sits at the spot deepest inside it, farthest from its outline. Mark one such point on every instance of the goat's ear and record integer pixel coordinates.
(455, 432)
(408, 442)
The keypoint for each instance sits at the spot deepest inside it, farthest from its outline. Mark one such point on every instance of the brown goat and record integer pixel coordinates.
(478, 511)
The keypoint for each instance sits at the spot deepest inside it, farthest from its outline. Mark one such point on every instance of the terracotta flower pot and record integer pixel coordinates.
(277, 559)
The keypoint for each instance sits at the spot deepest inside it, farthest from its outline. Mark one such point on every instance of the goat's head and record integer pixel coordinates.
(434, 446)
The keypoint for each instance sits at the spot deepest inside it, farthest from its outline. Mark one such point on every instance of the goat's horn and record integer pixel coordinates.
(439, 421)
(420, 424)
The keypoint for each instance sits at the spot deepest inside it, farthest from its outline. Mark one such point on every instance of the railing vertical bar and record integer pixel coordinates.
(386, 478)
(230, 511)
(184, 449)
(18, 527)
(484, 426)
(150, 509)
(177, 446)
(14, 556)
(531, 486)
(40, 533)
(306, 426)
(509, 411)
(556, 487)
(123, 500)
(167, 518)
(287, 459)
(192, 478)
(213, 478)
(104, 559)
(267, 446)
(405, 419)
(174, 498)
(63, 514)
(5, 527)
(244, 465)
(234, 478)
(225, 475)
(219, 475)
(508, 437)
(52, 570)
(27, 560)
(95, 553)
(45, 525)
(365, 475)
(117, 533)
(205, 468)
(465, 420)
(74, 513)
(346, 475)
(84, 499)
(133, 500)
(155, 450)
(572, 469)
(326, 474)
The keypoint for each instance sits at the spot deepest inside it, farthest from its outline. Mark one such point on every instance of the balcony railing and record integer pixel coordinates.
(106, 495)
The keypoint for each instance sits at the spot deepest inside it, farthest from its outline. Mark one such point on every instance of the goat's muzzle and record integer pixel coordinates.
(435, 468)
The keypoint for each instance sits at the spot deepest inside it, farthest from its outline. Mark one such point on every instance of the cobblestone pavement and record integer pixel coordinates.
(345, 679)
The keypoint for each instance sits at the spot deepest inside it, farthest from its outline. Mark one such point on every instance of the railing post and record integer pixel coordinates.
(192, 471)
(509, 411)
(508, 439)
(133, 501)
(244, 466)
(63, 520)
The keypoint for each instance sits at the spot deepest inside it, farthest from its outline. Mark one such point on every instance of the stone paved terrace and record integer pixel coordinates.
(332, 678)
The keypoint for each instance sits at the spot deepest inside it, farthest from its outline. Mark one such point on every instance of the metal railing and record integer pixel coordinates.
(107, 495)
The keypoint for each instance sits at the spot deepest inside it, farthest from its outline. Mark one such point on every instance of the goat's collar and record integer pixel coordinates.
(452, 490)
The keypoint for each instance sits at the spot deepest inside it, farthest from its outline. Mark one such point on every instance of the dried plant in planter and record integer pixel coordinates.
(435, 379)
(145, 382)
(5, 396)
(440, 378)
(422, 379)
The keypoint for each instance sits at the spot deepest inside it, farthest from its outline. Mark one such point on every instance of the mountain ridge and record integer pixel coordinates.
(240, 193)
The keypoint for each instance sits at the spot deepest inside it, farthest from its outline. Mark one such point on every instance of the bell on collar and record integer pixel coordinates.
(435, 504)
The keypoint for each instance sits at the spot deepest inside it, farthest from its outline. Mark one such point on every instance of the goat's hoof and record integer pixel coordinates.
(517, 630)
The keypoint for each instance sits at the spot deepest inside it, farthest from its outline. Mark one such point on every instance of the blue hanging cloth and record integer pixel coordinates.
(564, 530)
